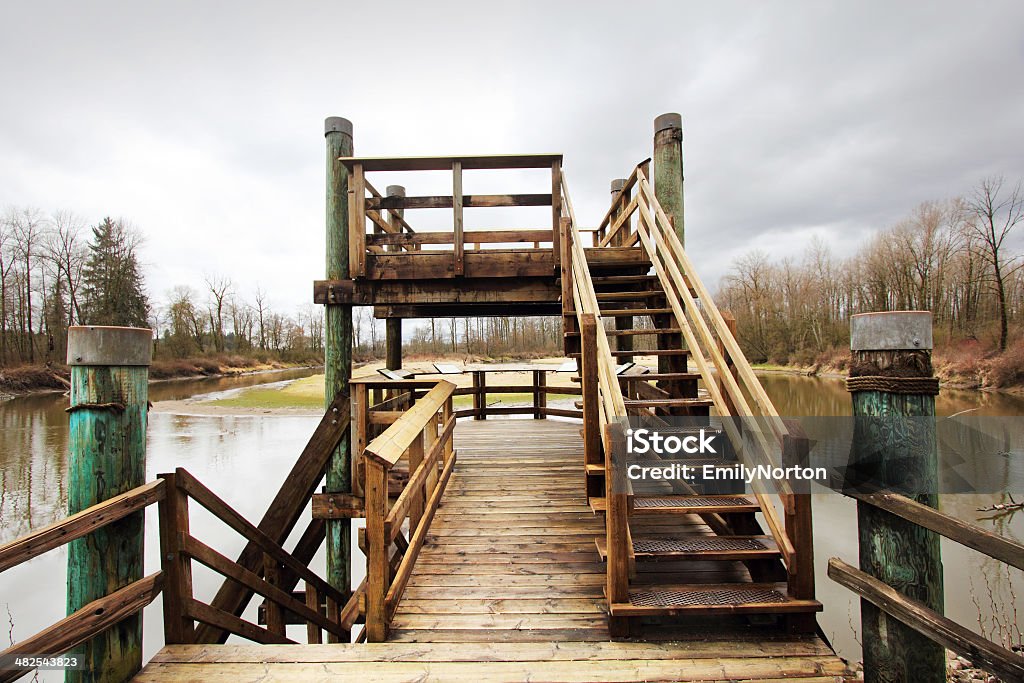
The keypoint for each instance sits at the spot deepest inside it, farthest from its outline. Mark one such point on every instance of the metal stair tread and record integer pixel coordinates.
(738, 598)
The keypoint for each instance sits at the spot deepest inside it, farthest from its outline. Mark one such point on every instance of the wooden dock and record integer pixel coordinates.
(509, 587)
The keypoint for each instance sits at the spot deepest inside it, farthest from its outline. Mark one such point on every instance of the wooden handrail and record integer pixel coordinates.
(85, 522)
(389, 447)
(973, 536)
(85, 623)
(92, 619)
(654, 237)
(929, 623)
(413, 434)
(443, 163)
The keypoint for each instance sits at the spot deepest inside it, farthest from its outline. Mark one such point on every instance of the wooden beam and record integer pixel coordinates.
(510, 236)
(443, 163)
(448, 202)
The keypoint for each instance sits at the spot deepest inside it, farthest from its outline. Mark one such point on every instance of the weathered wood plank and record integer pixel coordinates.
(443, 163)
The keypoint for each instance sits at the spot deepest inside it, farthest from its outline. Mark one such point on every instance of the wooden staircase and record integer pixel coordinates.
(654, 541)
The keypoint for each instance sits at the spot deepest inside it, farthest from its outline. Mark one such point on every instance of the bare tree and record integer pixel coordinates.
(993, 214)
(262, 310)
(27, 227)
(219, 287)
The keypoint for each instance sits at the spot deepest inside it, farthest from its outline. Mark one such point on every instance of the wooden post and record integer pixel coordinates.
(799, 527)
(177, 567)
(556, 212)
(479, 395)
(588, 383)
(668, 190)
(393, 326)
(457, 209)
(894, 440)
(109, 410)
(378, 571)
(616, 540)
(338, 342)
(540, 395)
(668, 168)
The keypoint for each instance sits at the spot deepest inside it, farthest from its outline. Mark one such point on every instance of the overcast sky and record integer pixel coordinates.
(202, 122)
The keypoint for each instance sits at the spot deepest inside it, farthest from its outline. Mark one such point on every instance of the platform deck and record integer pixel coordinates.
(509, 587)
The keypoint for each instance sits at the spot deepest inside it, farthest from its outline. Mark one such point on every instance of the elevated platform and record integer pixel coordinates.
(509, 587)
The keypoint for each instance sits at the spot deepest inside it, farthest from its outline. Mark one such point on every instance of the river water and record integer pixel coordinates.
(244, 458)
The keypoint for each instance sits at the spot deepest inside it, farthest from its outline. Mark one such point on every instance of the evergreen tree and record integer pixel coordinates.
(112, 286)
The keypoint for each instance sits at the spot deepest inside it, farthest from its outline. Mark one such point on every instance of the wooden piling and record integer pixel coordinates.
(893, 394)
(338, 343)
(668, 168)
(108, 414)
(668, 189)
(393, 326)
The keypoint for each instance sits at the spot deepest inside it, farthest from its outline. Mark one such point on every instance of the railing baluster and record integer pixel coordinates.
(457, 210)
(313, 634)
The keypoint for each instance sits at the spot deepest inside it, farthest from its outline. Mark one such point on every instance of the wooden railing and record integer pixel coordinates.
(985, 654)
(98, 615)
(384, 216)
(323, 607)
(422, 436)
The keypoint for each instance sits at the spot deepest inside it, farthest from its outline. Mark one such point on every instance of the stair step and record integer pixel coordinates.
(722, 598)
(630, 312)
(698, 548)
(643, 352)
(595, 469)
(629, 296)
(667, 376)
(633, 333)
(622, 279)
(669, 402)
(675, 505)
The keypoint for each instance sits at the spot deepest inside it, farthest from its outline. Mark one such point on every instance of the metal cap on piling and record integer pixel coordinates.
(395, 190)
(668, 121)
(102, 345)
(337, 124)
(891, 331)
(617, 185)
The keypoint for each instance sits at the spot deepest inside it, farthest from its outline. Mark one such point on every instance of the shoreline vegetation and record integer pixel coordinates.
(967, 366)
(27, 379)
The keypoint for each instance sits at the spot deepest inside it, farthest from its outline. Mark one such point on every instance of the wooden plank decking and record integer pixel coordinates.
(509, 587)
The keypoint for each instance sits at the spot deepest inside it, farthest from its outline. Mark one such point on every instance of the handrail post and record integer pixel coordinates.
(457, 210)
(378, 571)
(588, 383)
(479, 395)
(556, 213)
(177, 567)
(616, 538)
(109, 411)
(888, 348)
(799, 527)
(539, 394)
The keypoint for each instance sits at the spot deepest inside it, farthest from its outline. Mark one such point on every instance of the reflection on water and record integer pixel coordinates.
(243, 459)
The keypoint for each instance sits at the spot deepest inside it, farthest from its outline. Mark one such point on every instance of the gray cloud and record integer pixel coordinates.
(202, 122)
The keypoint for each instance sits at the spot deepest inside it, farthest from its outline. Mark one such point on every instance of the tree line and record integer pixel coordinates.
(953, 257)
(488, 337)
(56, 271)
